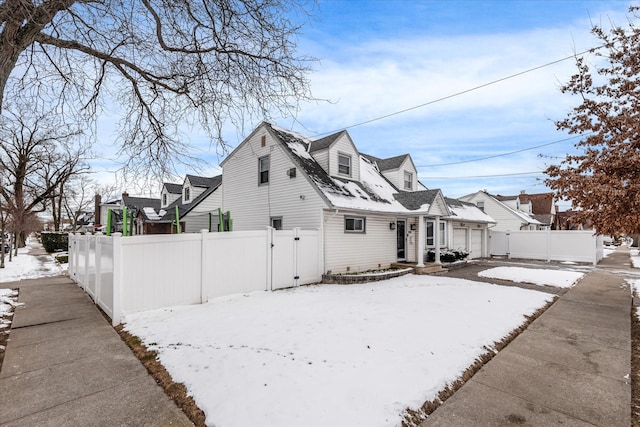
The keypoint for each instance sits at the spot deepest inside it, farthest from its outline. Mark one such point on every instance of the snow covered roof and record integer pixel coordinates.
(465, 211)
(373, 192)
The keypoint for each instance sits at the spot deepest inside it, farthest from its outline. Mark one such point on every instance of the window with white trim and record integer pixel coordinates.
(263, 170)
(187, 194)
(431, 236)
(408, 181)
(355, 224)
(344, 164)
(480, 205)
(164, 199)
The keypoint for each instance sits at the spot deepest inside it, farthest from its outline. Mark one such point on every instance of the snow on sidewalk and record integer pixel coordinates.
(542, 277)
(335, 355)
(26, 266)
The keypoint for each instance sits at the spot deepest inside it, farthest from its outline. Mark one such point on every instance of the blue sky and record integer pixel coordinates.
(379, 57)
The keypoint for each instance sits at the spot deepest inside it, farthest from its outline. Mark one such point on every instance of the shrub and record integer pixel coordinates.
(62, 259)
(447, 255)
(55, 241)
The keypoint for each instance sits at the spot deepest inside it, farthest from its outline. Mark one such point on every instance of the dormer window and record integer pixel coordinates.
(187, 194)
(408, 181)
(164, 199)
(344, 164)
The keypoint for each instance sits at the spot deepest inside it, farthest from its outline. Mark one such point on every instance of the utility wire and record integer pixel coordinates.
(386, 116)
(479, 176)
(504, 154)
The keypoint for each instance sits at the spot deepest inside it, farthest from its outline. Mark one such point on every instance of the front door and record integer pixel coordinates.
(402, 243)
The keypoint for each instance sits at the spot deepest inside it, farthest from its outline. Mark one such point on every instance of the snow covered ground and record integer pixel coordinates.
(635, 258)
(542, 277)
(331, 355)
(29, 267)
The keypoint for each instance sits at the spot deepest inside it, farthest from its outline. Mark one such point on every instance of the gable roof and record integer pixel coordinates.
(140, 202)
(203, 182)
(173, 188)
(324, 143)
(392, 162)
(387, 164)
(414, 200)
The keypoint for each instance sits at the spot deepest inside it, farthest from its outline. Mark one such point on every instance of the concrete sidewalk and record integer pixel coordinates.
(65, 365)
(571, 366)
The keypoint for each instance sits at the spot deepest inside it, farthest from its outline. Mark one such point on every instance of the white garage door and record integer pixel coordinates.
(476, 244)
(459, 238)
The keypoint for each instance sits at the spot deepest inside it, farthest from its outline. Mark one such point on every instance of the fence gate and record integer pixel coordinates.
(294, 258)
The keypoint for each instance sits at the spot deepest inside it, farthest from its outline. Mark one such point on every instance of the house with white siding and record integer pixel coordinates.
(197, 199)
(285, 180)
(508, 212)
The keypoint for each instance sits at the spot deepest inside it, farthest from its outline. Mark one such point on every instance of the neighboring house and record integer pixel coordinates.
(541, 206)
(284, 180)
(198, 200)
(507, 211)
(566, 221)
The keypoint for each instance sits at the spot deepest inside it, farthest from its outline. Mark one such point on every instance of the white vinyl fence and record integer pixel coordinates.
(136, 273)
(549, 245)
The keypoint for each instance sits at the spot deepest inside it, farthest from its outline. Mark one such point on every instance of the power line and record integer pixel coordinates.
(478, 176)
(386, 116)
(503, 154)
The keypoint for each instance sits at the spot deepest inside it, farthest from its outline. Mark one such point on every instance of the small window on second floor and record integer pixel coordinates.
(344, 164)
(408, 181)
(480, 206)
(263, 170)
(187, 194)
(164, 199)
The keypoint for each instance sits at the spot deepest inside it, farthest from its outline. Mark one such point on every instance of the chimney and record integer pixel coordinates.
(125, 194)
(96, 213)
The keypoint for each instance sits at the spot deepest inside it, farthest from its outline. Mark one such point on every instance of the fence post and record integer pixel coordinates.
(117, 278)
(87, 252)
(269, 240)
(98, 266)
(204, 296)
(72, 245)
(296, 258)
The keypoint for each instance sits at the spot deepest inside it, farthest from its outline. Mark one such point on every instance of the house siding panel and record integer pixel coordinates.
(252, 205)
(347, 250)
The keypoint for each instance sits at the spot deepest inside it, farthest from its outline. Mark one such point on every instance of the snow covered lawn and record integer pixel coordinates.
(331, 355)
(542, 277)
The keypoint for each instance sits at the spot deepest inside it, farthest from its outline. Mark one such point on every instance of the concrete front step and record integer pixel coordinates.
(427, 269)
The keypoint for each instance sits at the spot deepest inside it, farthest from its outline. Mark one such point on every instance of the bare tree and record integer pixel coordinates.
(37, 155)
(78, 197)
(603, 181)
(169, 64)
